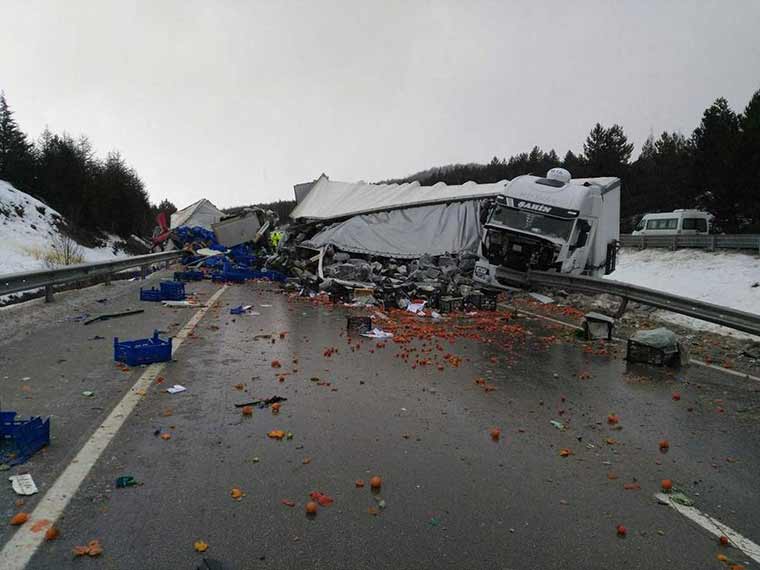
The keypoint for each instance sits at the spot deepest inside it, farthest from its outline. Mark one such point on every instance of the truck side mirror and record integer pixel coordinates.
(583, 229)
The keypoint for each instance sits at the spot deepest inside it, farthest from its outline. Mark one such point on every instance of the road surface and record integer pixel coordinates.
(417, 413)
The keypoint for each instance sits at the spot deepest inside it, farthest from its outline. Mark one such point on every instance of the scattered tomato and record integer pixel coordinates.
(376, 482)
(311, 508)
(19, 518)
(621, 530)
(667, 485)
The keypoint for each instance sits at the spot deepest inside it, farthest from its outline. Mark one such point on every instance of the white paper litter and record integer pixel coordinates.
(415, 307)
(23, 484)
(180, 304)
(176, 389)
(206, 252)
(377, 333)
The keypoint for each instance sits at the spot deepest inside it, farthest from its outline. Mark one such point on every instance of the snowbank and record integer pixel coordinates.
(27, 230)
(715, 277)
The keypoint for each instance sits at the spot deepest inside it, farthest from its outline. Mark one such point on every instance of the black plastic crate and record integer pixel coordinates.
(358, 325)
(450, 304)
(638, 352)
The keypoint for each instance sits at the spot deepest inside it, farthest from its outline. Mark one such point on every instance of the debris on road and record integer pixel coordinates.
(621, 531)
(276, 434)
(200, 546)
(126, 481)
(376, 482)
(311, 508)
(93, 549)
(19, 518)
(176, 389)
(23, 484)
(21, 438)
(321, 498)
(659, 347)
(52, 533)
(108, 316)
(377, 333)
(236, 493)
(142, 351)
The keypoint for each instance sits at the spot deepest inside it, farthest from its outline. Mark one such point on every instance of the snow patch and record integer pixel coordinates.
(27, 230)
(720, 278)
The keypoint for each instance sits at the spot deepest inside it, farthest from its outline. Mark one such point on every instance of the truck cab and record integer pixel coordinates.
(551, 223)
(677, 222)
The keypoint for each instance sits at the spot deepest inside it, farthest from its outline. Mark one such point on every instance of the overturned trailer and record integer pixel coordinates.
(551, 223)
(421, 241)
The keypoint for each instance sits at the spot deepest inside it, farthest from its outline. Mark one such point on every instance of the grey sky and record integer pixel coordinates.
(237, 101)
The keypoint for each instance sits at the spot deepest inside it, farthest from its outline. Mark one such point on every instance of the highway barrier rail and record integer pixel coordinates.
(724, 316)
(48, 278)
(710, 242)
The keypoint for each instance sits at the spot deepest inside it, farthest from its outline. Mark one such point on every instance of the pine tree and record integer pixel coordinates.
(16, 156)
(607, 151)
(715, 143)
(749, 160)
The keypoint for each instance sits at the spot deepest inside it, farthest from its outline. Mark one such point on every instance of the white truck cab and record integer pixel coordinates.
(552, 223)
(677, 222)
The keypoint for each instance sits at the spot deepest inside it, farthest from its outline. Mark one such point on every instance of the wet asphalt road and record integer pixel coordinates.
(454, 498)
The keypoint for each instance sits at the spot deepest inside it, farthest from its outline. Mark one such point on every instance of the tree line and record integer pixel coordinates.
(716, 168)
(92, 193)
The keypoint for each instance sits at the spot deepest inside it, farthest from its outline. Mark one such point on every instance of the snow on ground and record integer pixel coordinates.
(715, 277)
(27, 230)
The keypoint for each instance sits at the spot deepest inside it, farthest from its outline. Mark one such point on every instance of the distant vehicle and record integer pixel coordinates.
(554, 223)
(677, 222)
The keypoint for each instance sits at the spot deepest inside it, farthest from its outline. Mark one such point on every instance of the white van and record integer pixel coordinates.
(677, 222)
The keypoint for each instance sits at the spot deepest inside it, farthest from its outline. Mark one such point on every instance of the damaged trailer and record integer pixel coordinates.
(421, 241)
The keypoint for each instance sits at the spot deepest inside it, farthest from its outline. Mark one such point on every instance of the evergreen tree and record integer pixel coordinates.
(607, 151)
(749, 160)
(16, 156)
(715, 143)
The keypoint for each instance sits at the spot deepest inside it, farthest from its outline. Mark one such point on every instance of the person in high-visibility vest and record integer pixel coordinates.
(274, 238)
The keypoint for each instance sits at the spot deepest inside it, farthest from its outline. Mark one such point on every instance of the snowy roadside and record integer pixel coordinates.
(728, 279)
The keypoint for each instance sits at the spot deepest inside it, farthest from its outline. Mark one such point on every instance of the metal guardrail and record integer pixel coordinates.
(47, 278)
(710, 242)
(725, 316)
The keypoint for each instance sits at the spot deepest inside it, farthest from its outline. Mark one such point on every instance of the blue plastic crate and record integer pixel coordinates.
(20, 439)
(151, 294)
(189, 275)
(228, 276)
(172, 290)
(143, 351)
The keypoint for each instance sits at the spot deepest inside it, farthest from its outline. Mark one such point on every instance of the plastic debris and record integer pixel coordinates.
(557, 424)
(200, 546)
(88, 393)
(682, 499)
(126, 481)
(23, 484)
(377, 333)
(176, 389)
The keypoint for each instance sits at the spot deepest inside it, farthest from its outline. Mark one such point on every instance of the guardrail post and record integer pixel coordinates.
(107, 280)
(712, 243)
(621, 309)
(48, 293)
(143, 271)
(675, 244)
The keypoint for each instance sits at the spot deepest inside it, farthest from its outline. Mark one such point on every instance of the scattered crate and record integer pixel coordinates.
(172, 291)
(637, 352)
(450, 304)
(358, 325)
(482, 300)
(151, 294)
(188, 275)
(20, 439)
(143, 351)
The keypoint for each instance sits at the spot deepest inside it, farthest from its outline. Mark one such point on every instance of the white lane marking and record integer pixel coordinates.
(19, 550)
(714, 526)
(691, 361)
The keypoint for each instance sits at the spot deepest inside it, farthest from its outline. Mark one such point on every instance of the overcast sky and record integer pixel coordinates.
(238, 101)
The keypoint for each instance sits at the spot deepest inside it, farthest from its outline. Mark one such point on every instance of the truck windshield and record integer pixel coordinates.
(531, 222)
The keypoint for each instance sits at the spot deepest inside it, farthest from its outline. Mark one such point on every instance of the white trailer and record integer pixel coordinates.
(551, 223)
